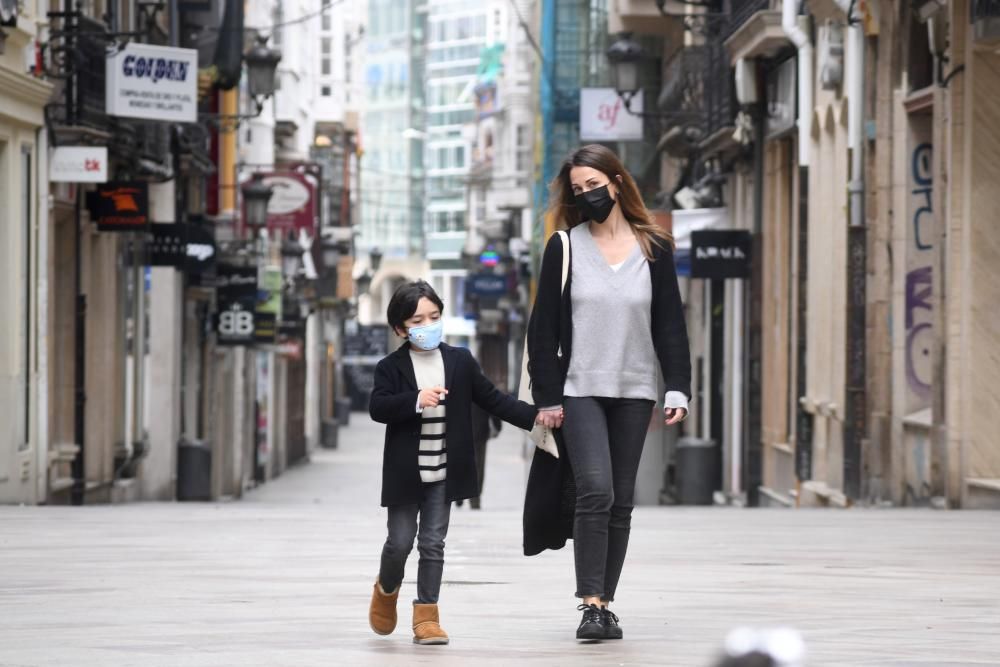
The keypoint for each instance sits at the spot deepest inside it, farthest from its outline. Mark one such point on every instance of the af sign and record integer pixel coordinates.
(603, 116)
(153, 83)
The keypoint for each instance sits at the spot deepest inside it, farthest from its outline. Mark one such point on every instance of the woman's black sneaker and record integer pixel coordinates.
(611, 628)
(592, 624)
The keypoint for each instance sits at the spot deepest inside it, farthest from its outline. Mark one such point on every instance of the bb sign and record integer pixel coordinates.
(153, 83)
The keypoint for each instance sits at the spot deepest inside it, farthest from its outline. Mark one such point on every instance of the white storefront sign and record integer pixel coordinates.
(153, 83)
(603, 116)
(79, 164)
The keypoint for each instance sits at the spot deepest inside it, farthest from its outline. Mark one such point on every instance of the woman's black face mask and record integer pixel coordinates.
(595, 204)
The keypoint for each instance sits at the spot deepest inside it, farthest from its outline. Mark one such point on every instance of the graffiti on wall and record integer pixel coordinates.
(919, 304)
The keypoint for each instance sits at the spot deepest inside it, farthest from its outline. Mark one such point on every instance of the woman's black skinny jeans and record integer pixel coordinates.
(604, 439)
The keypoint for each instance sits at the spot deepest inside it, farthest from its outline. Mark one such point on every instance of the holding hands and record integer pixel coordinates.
(430, 398)
(674, 415)
(550, 417)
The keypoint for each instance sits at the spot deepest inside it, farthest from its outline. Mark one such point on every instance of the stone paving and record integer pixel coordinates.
(283, 577)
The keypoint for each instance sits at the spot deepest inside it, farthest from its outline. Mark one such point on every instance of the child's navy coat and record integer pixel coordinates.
(394, 403)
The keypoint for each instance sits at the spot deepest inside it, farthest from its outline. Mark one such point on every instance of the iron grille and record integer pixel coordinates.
(92, 46)
(684, 81)
(740, 12)
(720, 106)
(154, 142)
(985, 9)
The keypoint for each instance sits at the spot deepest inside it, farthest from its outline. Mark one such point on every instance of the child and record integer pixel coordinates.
(424, 393)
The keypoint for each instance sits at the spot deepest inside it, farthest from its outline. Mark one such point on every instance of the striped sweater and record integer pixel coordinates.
(428, 367)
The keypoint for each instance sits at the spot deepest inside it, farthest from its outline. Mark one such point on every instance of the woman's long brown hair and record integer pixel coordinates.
(562, 201)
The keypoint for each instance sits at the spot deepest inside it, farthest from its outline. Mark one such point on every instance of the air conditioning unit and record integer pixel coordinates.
(746, 82)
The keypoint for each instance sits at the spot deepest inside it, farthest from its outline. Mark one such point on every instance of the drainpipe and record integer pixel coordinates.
(855, 417)
(792, 25)
(803, 418)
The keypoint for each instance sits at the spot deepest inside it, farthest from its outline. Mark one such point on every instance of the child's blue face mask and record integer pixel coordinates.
(427, 337)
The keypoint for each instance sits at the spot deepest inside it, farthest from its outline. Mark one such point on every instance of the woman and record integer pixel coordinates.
(594, 348)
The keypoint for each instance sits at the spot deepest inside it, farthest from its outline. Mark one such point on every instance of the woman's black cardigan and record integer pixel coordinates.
(549, 502)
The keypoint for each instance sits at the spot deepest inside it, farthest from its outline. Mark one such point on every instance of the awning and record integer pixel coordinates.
(690, 220)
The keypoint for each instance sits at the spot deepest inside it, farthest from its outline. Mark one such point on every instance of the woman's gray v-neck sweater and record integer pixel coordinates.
(613, 353)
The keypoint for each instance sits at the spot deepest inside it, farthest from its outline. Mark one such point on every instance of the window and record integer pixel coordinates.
(523, 149)
(459, 157)
(325, 91)
(277, 16)
(522, 136)
(481, 206)
(325, 46)
(325, 67)
(327, 21)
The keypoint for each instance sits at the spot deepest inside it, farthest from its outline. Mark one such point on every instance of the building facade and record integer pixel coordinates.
(855, 155)
(392, 151)
(119, 382)
(24, 454)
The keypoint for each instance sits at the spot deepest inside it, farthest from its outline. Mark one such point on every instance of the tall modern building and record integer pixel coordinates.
(457, 33)
(499, 191)
(392, 129)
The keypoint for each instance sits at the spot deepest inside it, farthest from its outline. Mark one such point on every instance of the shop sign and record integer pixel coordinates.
(236, 297)
(188, 247)
(489, 257)
(603, 116)
(292, 206)
(153, 83)
(201, 249)
(720, 253)
(120, 206)
(294, 328)
(291, 349)
(268, 308)
(364, 341)
(79, 164)
(487, 284)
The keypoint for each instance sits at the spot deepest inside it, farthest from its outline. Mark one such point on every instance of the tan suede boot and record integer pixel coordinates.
(426, 627)
(382, 612)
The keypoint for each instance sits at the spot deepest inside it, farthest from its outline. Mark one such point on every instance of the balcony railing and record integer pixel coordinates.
(91, 73)
(720, 102)
(985, 9)
(684, 81)
(740, 12)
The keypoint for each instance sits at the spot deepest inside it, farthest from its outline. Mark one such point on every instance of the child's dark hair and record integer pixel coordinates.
(404, 302)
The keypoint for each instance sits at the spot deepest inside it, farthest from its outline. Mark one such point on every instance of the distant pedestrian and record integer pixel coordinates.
(485, 427)
(424, 393)
(594, 345)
